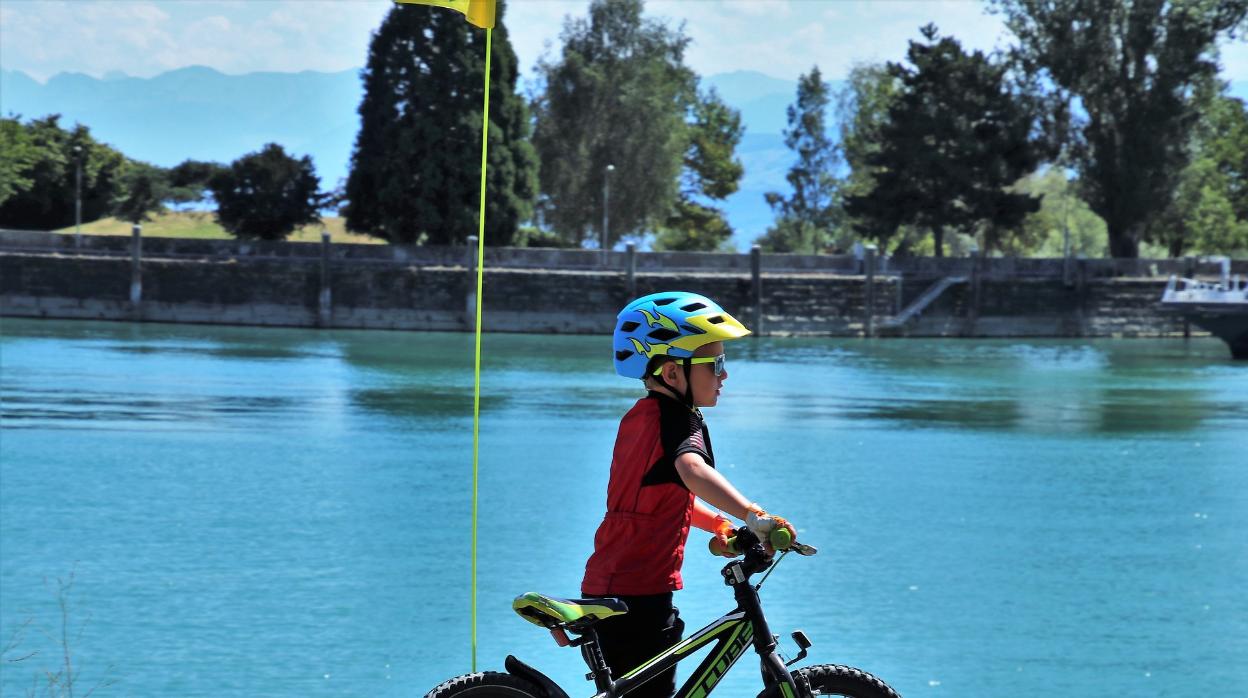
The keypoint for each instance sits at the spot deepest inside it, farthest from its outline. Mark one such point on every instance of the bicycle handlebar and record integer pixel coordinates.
(780, 539)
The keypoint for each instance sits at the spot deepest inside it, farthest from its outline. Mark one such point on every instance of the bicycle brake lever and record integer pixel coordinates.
(803, 549)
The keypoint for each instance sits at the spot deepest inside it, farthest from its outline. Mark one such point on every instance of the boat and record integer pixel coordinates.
(1221, 308)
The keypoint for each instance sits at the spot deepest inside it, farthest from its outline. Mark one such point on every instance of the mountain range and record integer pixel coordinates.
(200, 113)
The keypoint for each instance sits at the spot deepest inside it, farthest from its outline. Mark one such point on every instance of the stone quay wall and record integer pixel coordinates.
(571, 291)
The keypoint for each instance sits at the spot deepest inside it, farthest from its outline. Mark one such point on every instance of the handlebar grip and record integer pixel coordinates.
(780, 539)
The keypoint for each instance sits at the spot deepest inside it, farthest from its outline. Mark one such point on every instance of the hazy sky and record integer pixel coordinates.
(782, 38)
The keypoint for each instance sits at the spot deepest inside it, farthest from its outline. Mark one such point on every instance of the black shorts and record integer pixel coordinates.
(651, 625)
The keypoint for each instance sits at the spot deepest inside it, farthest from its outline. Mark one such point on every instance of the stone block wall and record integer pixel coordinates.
(372, 294)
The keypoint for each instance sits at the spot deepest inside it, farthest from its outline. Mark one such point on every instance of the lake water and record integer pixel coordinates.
(263, 512)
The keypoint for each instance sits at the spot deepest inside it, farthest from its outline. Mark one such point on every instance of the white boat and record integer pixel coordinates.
(1221, 308)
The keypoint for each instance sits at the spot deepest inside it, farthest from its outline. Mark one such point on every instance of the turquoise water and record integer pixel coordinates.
(251, 512)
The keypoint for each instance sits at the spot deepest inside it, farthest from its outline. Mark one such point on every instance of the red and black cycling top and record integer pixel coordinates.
(640, 545)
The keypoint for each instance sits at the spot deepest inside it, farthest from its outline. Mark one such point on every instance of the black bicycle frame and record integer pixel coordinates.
(733, 634)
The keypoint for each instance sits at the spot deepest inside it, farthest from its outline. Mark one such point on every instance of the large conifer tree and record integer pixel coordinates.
(415, 172)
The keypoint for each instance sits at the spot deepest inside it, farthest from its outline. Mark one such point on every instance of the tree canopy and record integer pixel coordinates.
(267, 194)
(1133, 69)
(712, 172)
(619, 94)
(415, 171)
(954, 142)
(38, 167)
(805, 217)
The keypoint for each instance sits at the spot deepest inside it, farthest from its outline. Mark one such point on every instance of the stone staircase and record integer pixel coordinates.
(897, 325)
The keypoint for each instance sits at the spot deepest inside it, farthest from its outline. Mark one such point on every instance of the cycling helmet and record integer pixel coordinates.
(671, 323)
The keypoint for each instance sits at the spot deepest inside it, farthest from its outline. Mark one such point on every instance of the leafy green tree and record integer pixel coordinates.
(805, 217)
(17, 157)
(1062, 217)
(954, 142)
(267, 194)
(42, 184)
(143, 191)
(1134, 67)
(1201, 217)
(1209, 208)
(618, 95)
(415, 172)
(711, 172)
(189, 180)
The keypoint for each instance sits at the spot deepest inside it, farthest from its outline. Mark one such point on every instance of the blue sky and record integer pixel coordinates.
(781, 38)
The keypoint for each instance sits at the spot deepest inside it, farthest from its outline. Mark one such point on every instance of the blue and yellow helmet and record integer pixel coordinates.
(671, 323)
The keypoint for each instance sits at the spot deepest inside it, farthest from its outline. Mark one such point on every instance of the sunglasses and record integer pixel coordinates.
(718, 368)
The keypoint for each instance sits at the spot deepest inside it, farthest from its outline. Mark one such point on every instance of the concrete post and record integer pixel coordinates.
(1189, 271)
(756, 286)
(136, 274)
(630, 252)
(325, 306)
(976, 284)
(470, 313)
(869, 310)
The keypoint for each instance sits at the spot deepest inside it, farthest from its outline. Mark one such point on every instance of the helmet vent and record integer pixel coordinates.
(665, 301)
(692, 330)
(629, 326)
(693, 306)
(622, 354)
(663, 334)
(715, 320)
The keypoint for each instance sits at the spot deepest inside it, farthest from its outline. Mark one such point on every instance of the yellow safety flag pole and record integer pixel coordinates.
(480, 13)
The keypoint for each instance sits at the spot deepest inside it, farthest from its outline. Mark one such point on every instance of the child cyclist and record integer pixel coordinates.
(663, 476)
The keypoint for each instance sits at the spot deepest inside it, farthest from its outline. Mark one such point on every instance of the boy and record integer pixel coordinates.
(662, 465)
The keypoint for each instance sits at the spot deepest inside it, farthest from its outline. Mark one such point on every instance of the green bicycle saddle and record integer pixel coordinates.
(550, 612)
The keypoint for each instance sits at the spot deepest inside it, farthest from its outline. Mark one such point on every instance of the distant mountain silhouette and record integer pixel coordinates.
(200, 113)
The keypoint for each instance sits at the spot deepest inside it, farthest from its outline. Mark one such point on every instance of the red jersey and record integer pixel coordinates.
(640, 545)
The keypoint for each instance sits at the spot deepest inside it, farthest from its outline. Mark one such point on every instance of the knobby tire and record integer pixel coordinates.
(837, 680)
(485, 684)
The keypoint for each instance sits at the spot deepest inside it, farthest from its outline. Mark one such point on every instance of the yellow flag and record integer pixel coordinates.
(478, 12)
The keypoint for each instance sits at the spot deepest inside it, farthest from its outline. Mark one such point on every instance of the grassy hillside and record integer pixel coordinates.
(200, 224)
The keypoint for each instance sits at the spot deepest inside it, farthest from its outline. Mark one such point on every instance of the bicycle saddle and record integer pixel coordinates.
(552, 612)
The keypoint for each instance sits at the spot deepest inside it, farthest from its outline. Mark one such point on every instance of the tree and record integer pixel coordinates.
(954, 143)
(143, 191)
(618, 95)
(1209, 208)
(1062, 217)
(189, 180)
(17, 156)
(1134, 67)
(415, 171)
(711, 172)
(267, 194)
(42, 184)
(804, 219)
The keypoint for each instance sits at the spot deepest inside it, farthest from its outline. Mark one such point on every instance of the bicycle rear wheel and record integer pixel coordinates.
(837, 680)
(485, 684)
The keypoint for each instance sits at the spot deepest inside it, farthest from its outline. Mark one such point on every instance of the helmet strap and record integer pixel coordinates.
(687, 397)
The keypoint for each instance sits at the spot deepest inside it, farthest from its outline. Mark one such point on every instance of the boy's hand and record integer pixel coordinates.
(723, 531)
(762, 524)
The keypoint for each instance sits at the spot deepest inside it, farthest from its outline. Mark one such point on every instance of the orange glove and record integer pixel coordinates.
(723, 530)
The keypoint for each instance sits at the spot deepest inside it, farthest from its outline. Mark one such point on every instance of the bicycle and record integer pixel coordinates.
(733, 634)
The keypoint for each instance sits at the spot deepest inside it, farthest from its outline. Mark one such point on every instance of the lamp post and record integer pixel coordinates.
(606, 200)
(77, 196)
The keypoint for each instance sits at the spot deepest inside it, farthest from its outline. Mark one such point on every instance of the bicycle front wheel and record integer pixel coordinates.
(837, 680)
(485, 684)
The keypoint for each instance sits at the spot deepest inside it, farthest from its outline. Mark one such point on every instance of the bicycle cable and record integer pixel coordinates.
(769, 571)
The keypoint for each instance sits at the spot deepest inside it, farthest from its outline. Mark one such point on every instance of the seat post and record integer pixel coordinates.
(596, 662)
